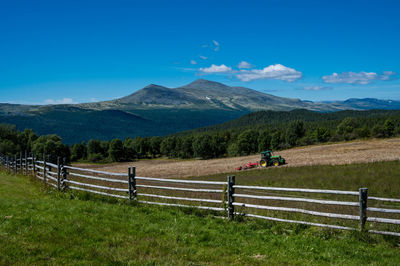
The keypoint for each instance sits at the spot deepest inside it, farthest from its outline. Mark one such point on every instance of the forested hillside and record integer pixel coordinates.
(249, 134)
(278, 119)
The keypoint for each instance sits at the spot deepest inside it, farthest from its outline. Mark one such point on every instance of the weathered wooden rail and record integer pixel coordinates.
(225, 197)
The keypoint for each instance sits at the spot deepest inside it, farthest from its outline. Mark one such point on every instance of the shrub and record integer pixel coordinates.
(116, 150)
(95, 157)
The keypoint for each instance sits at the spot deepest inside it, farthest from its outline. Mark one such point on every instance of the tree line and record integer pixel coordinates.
(14, 142)
(239, 141)
(223, 143)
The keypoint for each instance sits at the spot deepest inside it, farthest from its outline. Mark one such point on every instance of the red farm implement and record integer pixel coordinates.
(249, 165)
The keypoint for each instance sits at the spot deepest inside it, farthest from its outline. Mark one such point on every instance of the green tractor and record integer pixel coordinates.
(268, 159)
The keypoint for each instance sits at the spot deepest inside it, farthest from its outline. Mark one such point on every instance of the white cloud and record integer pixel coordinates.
(317, 88)
(61, 101)
(203, 57)
(357, 78)
(216, 45)
(192, 62)
(278, 71)
(386, 75)
(216, 69)
(244, 64)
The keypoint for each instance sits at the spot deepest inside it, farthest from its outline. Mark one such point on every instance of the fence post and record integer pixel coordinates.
(26, 162)
(44, 168)
(64, 174)
(363, 196)
(230, 191)
(132, 183)
(20, 161)
(34, 164)
(7, 164)
(15, 164)
(30, 161)
(58, 173)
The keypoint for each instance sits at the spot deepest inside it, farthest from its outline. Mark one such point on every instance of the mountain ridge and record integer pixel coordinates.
(156, 110)
(203, 93)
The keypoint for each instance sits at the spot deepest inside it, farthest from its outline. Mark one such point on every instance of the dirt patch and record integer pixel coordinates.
(330, 154)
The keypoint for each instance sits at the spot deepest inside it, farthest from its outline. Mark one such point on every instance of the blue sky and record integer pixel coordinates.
(82, 51)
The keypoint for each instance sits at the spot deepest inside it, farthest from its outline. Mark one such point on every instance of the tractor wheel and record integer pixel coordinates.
(263, 163)
(275, 163)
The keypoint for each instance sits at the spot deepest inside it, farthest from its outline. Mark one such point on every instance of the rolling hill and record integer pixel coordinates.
(156, 110)
(277, 119)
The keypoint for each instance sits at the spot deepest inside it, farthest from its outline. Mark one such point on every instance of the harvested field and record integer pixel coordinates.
(329, 154)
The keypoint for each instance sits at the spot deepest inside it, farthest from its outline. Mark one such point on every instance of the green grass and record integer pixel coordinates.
(381, 178)
(41, 226)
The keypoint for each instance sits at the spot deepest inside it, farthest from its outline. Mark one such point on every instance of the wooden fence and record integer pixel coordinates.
(228, 198)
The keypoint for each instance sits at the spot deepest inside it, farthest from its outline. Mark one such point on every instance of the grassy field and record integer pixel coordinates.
(41, 226)
(381, 178)
(341, 153)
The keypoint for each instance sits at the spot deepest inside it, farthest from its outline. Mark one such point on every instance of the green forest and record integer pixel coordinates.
(246, 135)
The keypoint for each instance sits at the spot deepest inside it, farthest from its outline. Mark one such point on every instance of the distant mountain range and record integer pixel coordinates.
(157, 110)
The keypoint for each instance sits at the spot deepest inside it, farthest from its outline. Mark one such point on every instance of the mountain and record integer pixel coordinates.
(158, 95)
(205, 94)
(156, 110)
(369, 103)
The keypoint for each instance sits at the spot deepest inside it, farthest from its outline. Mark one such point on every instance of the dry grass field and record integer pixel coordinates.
(329, 154)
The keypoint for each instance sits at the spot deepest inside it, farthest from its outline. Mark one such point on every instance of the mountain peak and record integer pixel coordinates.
(156, 95)
(154, 86)
(205, 84)
(201, 81)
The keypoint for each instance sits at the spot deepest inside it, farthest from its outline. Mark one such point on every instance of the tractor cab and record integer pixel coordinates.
(266, 155)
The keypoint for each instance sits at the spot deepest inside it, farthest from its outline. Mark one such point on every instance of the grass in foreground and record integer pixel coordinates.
(41, 226)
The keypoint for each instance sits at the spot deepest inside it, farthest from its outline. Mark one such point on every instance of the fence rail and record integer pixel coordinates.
(322, 191)
(207, 195)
